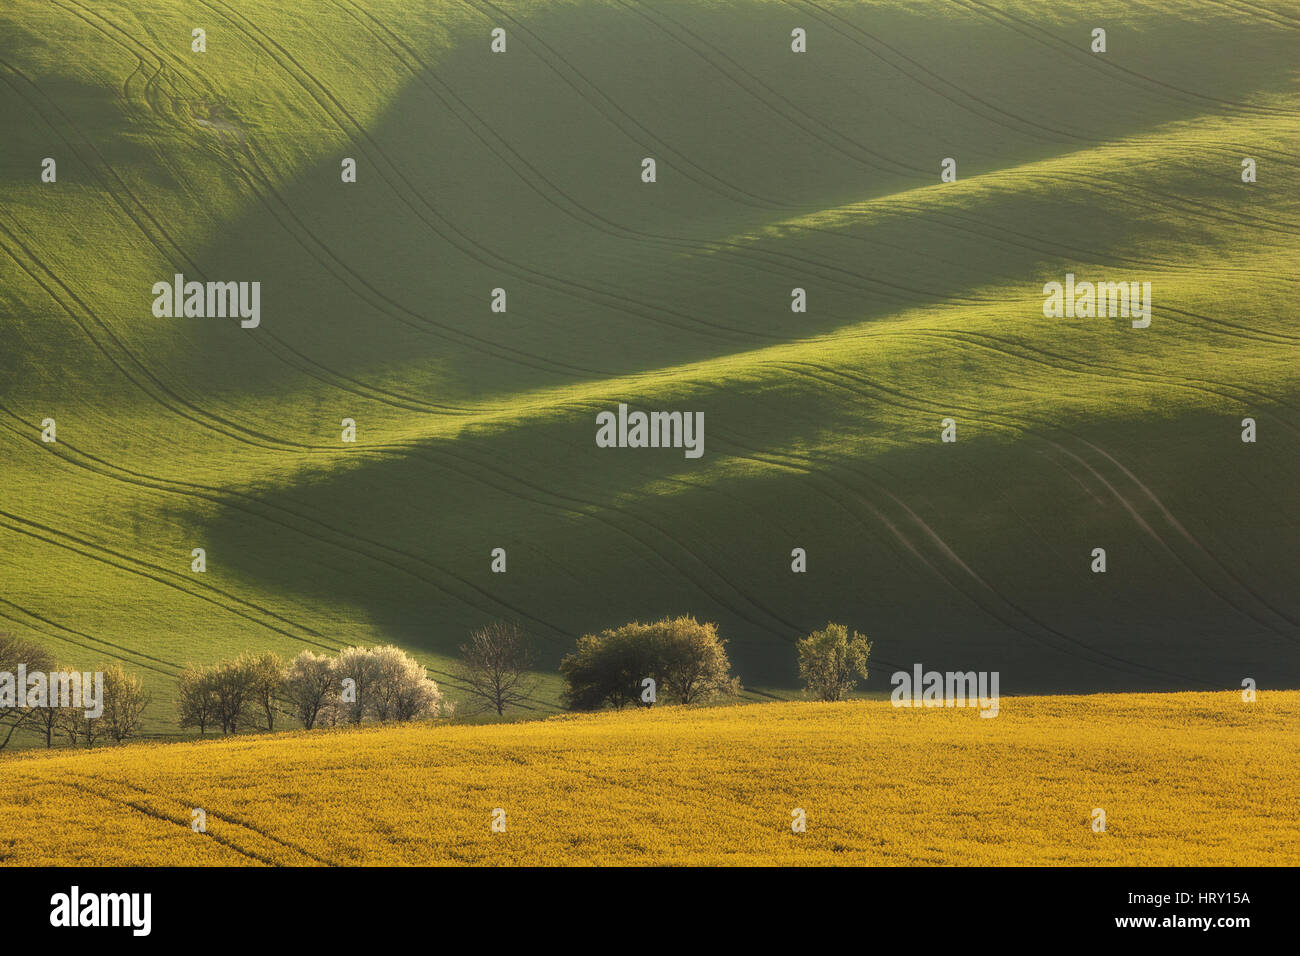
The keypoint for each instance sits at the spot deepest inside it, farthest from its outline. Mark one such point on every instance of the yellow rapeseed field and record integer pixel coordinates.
(1200, 778)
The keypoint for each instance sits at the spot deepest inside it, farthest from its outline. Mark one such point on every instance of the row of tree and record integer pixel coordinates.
(124, 701)
(360, 683)
(679, 660)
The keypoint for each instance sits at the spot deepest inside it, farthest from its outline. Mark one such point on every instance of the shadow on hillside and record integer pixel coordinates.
(495, 172)
(521, 172)
(596, 537)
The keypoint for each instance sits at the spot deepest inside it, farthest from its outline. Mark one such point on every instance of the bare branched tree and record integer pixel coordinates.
(266, 671)
(196, 699)
(78, 728)
(14, 712)
(232, 688)
(495, 665)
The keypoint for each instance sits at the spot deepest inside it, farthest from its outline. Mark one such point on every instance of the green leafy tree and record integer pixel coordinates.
(831, 661)
(686, 660)
(692, 661)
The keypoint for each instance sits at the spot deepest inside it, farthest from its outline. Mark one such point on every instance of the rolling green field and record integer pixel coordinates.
(775, 171)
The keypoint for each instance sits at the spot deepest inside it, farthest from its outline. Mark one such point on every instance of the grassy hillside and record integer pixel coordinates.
(775, 170)
(1193, 778)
